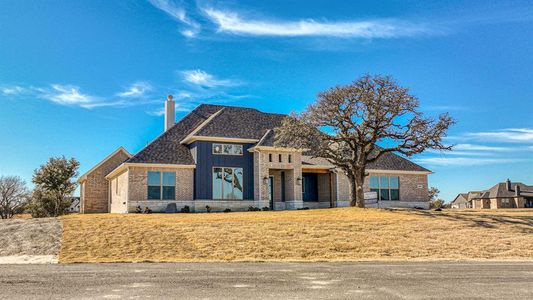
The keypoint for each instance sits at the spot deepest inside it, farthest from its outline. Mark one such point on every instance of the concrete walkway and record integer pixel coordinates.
(487, 280)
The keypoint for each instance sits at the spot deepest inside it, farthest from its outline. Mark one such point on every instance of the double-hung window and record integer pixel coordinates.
(161, 185)
(227, 149)
(227, 183)
(387, 187)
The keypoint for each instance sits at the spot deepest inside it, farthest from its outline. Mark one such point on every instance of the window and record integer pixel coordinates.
(387, 187)
(227, 183)
(280, 158)
(161, 185)
(270, 157)
(290, 159)
(227, 149)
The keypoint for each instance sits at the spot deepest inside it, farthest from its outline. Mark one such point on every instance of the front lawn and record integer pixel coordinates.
(342, 234)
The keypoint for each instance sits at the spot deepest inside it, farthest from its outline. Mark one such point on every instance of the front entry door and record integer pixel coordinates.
(271, 191)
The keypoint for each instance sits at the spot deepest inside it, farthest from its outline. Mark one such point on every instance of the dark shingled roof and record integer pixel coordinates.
(388, 161)
(233, 122)
(167, 149)
(500, 190)
(391, 161)
(240, 122)
(268, 139)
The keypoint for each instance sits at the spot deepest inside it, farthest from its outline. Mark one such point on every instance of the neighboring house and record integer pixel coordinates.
(461, 201)
(502, 195)
(464, 200)
(74, 204)
(224, 157)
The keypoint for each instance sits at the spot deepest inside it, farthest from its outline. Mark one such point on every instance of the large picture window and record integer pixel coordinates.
(161, 185)
(387, 187)
(227, 149)
(227, 183)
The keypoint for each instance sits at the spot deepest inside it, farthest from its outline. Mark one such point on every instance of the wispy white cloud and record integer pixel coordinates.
(445, 108)
(232, 22)
(137, 89)
(178, 13)
(465, 161)
(473, 147)
(12, 90)
(515, 135)
(204, 79)
(67, 95)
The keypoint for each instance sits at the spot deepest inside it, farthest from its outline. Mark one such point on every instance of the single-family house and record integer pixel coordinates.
(224, 157)
(505, 195)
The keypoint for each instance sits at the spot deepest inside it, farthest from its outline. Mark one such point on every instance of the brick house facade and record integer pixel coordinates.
(224, 157)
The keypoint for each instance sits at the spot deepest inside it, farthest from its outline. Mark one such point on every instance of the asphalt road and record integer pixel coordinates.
(269, 281)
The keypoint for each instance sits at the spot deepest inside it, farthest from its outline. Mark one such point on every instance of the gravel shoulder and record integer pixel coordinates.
(30, 240)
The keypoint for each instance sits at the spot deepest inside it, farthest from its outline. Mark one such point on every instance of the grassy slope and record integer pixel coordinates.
(346, 234)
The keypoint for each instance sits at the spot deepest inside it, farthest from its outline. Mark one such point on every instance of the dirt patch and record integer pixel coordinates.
(344, 234)
(30, 240)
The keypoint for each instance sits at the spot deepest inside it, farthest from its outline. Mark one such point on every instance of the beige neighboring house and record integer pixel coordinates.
(224, 157)
(502, 195)
(464, 200)
(461, 201)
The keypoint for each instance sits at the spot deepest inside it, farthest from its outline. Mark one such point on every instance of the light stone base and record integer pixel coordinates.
(391, 204)
(199, 205)
(313, 205)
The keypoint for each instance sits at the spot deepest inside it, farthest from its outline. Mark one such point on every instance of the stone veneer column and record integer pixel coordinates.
(261, 171)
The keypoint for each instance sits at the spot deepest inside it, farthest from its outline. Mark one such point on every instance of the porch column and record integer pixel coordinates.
(261, 171)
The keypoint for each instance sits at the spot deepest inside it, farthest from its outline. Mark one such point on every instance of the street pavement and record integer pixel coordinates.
(406, 280)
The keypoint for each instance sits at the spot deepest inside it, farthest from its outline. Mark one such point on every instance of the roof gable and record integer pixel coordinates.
(120, 150)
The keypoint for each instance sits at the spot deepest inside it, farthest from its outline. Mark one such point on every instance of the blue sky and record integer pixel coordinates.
(81, 78)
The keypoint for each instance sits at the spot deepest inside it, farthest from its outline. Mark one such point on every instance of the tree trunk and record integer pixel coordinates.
(359, 182)
(353, 191)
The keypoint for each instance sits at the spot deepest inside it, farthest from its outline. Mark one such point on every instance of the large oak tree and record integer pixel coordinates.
(353, 125)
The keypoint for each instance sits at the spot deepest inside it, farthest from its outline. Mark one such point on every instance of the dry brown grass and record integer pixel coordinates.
(345, 234)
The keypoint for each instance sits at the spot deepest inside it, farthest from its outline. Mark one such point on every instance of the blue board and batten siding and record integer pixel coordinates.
(206, 161)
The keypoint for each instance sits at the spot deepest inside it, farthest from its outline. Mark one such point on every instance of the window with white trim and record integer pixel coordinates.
(227, 149)
(161, 185)
(387, 187)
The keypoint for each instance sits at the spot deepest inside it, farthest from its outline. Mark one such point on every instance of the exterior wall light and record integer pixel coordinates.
(299, 180)
(265, 180)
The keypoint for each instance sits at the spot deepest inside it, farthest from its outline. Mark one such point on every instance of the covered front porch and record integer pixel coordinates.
(316, 188)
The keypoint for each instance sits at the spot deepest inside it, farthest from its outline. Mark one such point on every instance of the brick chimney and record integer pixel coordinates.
(509, 187)
(170, 112)
(517, 190)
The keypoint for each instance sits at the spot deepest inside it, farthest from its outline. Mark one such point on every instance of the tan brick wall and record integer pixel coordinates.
(119, 193)
(413, 187)
(293, 170)
(95, 192)
(138, 182)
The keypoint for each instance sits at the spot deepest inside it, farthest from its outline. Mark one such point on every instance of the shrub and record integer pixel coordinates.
(208, 208)
(253, 208)
(186, 209)
(266, 208)
(227, 210)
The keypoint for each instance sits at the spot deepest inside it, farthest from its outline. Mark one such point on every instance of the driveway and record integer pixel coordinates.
(488, 280)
